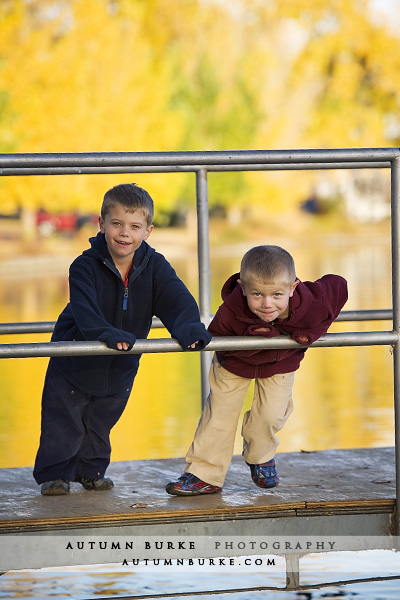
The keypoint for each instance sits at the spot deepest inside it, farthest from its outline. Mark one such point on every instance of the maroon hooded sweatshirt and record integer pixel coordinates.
(313, 307)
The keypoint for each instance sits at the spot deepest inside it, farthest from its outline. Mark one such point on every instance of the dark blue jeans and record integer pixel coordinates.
(75, 436)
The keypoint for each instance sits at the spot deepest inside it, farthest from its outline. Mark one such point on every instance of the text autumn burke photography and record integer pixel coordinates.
(242, 546)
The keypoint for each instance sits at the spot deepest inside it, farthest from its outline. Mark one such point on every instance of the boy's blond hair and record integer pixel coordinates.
(131, 197)
(267, 264)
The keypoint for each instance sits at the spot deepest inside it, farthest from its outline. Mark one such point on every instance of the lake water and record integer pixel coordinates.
(343, 399)
(115, 581)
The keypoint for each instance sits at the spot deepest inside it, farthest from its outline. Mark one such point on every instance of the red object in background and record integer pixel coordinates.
(51, 222)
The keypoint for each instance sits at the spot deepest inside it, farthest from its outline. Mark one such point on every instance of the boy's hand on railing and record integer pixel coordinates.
(303, 339)
(194, 344)
(122, 345)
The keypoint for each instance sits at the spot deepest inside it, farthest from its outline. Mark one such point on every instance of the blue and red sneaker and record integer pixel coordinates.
(190, 485)
(264, 475)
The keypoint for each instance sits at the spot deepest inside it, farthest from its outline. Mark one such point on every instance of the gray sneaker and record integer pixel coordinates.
(57, 487)
(100, 485)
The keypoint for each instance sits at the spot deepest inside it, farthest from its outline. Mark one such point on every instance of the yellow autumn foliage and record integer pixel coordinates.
(163, 75)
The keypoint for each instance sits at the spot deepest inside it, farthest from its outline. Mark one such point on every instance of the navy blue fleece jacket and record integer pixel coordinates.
(102, 308)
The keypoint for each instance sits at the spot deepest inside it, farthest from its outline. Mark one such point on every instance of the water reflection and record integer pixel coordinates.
(343, 396)
(121, 581)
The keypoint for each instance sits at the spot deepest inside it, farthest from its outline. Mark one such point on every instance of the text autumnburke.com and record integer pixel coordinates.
(201, 562)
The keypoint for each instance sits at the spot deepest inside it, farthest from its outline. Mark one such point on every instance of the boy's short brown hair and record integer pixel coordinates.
(131, 197)
(267, 264)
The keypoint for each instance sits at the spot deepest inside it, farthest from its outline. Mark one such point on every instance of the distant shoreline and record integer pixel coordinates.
(54, 254)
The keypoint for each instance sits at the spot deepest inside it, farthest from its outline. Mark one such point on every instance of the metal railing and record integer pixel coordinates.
(201, 163)
(48, 326)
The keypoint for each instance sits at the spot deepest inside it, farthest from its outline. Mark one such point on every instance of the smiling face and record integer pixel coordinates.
(124, 232)
(269, 301)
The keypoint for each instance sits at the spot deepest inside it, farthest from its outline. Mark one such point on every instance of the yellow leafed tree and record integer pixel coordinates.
(128, 75)
(82, 79)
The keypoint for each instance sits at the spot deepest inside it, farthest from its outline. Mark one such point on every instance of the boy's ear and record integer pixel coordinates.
(294, 286)
(148, 232)
(101, 224)
(242, 286)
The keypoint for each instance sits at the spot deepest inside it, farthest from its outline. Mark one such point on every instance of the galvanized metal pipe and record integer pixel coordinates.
(19, 328)
(395, 231)
(11, 172)
(48, 326)
(201, 158)
(365, 315)
(203, 254)
(203, 245)
(40, 349)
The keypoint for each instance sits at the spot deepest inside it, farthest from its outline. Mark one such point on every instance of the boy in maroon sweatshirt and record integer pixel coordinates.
(265, 299)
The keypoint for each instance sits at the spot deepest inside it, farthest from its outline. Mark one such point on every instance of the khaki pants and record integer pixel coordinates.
(211, 452)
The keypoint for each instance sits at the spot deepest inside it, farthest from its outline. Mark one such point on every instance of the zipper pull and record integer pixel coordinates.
(125, 302)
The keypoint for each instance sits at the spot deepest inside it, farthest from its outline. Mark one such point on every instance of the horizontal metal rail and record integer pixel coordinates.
(198, 159)
(41, 349)
(48, 326)
(384, 314)
(188, 169)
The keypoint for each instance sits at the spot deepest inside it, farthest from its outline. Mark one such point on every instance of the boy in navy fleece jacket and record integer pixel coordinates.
(265, 299)
(116, 287)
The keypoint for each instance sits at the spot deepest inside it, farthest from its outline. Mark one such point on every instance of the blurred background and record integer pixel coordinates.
(128, 75)
(163, 75)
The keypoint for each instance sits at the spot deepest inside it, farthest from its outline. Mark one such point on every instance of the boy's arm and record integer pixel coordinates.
(87, 313)
(333, 296)
(223, 323)
(177, 309)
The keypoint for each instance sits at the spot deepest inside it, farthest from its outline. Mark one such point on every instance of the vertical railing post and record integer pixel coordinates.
(395, 210)
(203, 251)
